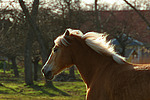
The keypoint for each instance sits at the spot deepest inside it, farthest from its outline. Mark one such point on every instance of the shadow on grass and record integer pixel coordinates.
(1, 85)
(37, 88)
(53, 88)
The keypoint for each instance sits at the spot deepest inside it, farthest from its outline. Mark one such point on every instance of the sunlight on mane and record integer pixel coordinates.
(98, 42)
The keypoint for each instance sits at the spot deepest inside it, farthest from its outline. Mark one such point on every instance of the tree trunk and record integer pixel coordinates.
(36, 31)
(28, 46)
(49, 83)
(4, 67)
(16, 73)
(27, 59)
(35, 62)
(97, 18)
(71, 73)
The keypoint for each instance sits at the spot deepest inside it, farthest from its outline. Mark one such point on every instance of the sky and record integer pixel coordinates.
(88, 1)
(105, 1)
(118, 3)
(84, 3)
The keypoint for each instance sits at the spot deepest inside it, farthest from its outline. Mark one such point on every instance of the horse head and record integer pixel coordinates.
(61, 55)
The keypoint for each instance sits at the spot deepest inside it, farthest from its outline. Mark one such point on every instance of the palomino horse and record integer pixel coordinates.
(106, 74)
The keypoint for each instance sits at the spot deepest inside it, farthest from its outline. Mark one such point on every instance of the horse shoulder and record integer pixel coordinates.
(97, 93)
(133, 84)
(99, 89)
(128, 84)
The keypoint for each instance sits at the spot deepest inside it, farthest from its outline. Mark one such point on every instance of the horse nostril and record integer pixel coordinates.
(48, 75)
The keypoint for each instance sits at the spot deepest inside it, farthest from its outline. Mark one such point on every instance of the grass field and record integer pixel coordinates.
(12, 88)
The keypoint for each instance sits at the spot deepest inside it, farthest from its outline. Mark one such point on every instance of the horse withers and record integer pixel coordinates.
(106, 74)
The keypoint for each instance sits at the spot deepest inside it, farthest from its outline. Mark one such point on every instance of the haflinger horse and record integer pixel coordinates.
(106, 74)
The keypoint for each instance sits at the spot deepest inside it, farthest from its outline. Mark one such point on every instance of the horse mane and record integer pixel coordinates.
(96, 41)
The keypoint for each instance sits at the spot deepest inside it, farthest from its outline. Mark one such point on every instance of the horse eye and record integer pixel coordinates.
(55, 49)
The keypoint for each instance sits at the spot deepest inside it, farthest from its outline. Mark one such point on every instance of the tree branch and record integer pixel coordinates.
(35, 29)
(138, 12)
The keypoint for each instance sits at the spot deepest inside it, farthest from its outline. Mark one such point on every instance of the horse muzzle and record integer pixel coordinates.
(48, 75)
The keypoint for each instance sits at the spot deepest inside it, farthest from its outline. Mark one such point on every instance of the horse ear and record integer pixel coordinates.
(67, 32)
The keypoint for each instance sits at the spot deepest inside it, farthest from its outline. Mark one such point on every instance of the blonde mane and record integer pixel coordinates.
(97, 41)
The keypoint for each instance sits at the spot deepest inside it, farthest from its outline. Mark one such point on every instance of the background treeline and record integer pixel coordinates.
(53, 17)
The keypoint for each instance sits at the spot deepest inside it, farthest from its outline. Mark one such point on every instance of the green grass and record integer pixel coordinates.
(15, 89)
(61, 91)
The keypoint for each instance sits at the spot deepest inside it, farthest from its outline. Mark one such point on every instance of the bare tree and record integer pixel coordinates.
(11, 39)
(28, 46)
(97, 17)
(37, 33)
(139, 13)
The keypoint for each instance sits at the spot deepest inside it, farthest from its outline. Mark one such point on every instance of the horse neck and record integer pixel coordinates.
(89, 62)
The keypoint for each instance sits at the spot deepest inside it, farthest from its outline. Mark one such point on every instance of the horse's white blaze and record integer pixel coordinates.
(49, 66)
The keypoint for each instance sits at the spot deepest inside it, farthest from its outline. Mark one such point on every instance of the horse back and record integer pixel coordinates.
(129, 84)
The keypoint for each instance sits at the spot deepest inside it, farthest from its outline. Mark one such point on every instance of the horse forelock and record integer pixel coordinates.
(76, 33)
(99, 43)
(61, 41)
